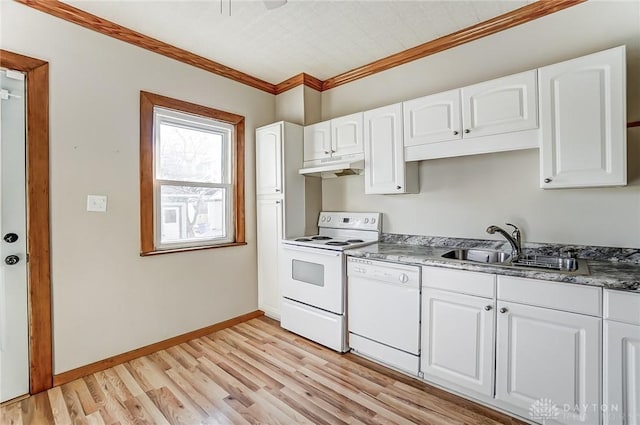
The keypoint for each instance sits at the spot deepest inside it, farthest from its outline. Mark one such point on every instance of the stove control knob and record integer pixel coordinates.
(373, 221)
(323, 218)
(366, 221)
(328, 219)
(403, 278)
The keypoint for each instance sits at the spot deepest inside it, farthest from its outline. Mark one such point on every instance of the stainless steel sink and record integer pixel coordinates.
(503, 259)
(478, 255)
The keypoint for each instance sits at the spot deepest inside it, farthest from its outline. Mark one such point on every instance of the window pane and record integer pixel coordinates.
(189, 155)
(189, 214)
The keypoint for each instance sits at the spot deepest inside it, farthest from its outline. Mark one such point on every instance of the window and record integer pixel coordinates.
(191, 176)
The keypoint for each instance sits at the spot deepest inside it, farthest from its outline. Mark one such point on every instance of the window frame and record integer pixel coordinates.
(149, 187)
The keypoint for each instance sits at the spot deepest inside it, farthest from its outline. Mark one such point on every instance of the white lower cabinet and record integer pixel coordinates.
(529, 347)
(548, 358)
(458, 339)
(269, 227)
(621, 402)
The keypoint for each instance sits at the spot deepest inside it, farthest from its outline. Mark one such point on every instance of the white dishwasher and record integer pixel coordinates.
(383, 312)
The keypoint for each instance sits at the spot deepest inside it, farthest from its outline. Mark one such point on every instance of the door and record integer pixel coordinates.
(384, 169)
(269, 227)
(14, 348)
(313, 276)
(432, 119)
(269, 160)
(621, 373)
(548, 357)
(458, 339)
(502, 105)
(317, 141)
(583, 104)
(346, 135)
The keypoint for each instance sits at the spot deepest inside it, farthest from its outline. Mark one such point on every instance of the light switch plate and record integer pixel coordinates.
(96, 203)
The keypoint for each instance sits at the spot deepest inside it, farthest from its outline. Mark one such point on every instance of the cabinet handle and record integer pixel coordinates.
(398, 187)
(326, 152)
(547, 180)
(503, 310)
(332, 151)
(277, 190)
(467, 131)
(488, 307)
(455, 133)
(277, 202)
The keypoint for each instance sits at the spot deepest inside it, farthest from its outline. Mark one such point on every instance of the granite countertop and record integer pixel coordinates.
(617, 274)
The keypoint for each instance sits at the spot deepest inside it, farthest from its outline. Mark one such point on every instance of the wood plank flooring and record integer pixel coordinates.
(251, 373)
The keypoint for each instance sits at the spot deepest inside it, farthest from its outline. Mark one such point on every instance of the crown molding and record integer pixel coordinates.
(87, 20)
(505, 21)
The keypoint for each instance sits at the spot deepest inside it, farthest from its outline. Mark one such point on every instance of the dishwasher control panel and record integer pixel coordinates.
(384, 271)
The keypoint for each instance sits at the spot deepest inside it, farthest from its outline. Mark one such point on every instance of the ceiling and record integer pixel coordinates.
(320, 38)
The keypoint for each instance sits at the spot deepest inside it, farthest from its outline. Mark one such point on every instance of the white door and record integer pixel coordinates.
(346, 135)
(269, 227)
(384, 169)
(317, 141)
(584, 135)
(432, 119)
(548, 357)
(14, 347)
(458, 339)
(269, 160)
(621, 374)
(500, 106)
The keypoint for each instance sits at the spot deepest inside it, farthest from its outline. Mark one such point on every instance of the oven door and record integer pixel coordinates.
(313, 276)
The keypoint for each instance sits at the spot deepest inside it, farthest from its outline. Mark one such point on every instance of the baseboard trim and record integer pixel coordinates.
(70, 375)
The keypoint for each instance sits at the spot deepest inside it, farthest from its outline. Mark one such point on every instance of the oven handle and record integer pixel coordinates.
(320, 251)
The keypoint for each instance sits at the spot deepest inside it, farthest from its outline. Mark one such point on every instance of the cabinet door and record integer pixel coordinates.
(317, 141)
(432, 119)
(269, 228)
(384, 167)
(269, 160)
(502, 105)
(547, 357)
(458, 339)
(583, 121)
(346, 135)
(621, 374)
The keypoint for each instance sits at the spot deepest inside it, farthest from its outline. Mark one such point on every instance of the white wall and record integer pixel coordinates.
(106, 298)
(461, 196)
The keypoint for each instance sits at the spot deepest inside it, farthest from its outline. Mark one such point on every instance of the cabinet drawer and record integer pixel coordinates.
(622, 306)
(461, 281)
(556, 295)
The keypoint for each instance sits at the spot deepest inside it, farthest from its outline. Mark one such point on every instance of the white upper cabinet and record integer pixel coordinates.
(336, 138)
(502, 105)
(346, 135)
(432, 119)
(384, 167)
(317, 141)
(583, 104)
(269, 160)
(491, 116)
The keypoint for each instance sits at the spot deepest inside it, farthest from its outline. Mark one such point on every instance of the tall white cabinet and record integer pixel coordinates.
(287, 205)
(583, 121)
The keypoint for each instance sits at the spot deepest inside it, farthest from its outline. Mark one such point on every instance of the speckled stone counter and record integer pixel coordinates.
(621, 271)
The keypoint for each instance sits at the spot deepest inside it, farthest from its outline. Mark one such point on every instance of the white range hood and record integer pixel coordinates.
(332, 169)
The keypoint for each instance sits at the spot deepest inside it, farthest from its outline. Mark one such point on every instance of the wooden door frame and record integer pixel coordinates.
(38, 226)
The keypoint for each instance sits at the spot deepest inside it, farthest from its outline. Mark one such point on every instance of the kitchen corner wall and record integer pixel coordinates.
(106, 298)
(461, 196)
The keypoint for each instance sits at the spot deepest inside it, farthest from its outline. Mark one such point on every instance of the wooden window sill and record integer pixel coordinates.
(194, 248)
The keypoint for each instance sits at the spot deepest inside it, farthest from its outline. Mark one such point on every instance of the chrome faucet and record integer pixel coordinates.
(514, 239)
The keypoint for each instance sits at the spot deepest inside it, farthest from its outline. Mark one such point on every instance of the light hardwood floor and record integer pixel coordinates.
(251, 373)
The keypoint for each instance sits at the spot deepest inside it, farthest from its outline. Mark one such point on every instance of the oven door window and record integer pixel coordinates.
(304, 271)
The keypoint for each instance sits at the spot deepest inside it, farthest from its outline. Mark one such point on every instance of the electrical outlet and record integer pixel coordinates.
(96, 203)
